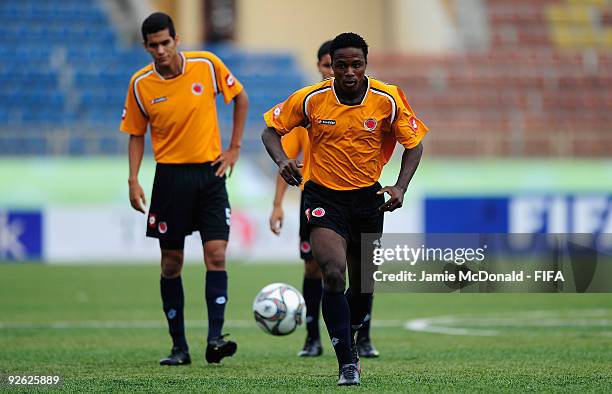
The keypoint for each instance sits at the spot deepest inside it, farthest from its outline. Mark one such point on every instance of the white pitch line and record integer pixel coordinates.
(434, 325)
(451, 325)
(146, 324)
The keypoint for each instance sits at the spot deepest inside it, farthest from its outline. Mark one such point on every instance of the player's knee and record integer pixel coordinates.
(333, 280)
(312, 269)
(215, 259)
(171, 263)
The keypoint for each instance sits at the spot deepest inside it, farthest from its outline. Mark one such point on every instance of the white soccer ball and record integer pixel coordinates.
(279, 309)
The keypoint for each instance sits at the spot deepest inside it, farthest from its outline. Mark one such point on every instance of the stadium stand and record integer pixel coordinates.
(543, 87)
(65, 73)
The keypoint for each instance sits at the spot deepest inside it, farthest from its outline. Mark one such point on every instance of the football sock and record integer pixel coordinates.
(216, 298)
(364, 331)
(173, 301)
(337, 319)
(313, 290)
(360, 304)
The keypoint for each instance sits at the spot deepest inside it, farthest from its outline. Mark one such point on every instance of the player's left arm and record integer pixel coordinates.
(230, 156)
(410, 161)
(232, 90)
(408, 131)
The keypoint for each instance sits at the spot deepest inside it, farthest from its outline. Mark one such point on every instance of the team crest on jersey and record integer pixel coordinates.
(197, 88)
(123, 113)
(318, 212)
(413, 123)
(152, 220)
(229, 80)
(370, 124)
(162, 227)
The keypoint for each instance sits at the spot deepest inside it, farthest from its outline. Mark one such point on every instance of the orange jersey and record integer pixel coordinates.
(180, 111)
(349, 144)
(295, 143)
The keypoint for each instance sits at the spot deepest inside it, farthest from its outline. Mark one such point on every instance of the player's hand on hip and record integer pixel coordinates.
(276, 220)
(396, 199)
(137, 196)
(290, 171)
(227, 160)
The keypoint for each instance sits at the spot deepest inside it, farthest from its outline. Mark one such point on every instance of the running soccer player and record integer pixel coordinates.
(294, 144)
(175, 97)
(353, 123)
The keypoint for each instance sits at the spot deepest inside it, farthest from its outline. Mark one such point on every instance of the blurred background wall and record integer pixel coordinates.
(517, 95)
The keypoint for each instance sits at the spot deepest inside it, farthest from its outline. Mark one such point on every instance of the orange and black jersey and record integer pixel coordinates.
(181, 111)
(349, 144)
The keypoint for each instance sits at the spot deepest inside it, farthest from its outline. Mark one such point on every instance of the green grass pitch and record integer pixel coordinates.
(102, 329)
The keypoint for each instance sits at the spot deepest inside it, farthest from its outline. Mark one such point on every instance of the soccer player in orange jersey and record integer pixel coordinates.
(353, 122)
(175, 97)
(294, 144)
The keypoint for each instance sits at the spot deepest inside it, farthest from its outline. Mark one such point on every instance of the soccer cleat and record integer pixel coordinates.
(349, 375)
(366, 349)
(218, 348)
(312, 348)
(177, 356)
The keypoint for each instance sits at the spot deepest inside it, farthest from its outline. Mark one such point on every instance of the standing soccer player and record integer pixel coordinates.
(294, 144)
(175, 97)
(353, 124)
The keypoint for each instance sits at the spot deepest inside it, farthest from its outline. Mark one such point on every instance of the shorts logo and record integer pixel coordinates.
(413, 123)
(277, 110)
(228, 216)
(152, 220)
(197, 88)
(307, 213)
(159, 100)
(123, 113)
(327, 121)
(318, 212)
(305, 247)
(162, 227)
(229, 80)
(370, 124)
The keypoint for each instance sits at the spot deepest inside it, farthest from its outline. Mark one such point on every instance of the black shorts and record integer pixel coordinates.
(348, 212)
(305, 250)
(188, 198)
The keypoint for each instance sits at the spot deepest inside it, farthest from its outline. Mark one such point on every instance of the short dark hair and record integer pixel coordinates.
(348, 40)
(324, 49)
(155, 22)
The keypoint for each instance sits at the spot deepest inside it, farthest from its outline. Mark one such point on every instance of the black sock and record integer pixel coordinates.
(360, 304)
(313, 291)
(337, 318)
(364, 331)
(173, 301)
(216, 298)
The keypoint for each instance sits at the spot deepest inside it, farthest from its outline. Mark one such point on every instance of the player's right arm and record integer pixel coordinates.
(135, 153)
(291, 146)
(134, 122)
(280, 120)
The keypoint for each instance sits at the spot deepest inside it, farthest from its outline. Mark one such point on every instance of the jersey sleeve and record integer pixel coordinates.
(288, 115)
(133, 118)
(407, 128)
(227, 83)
